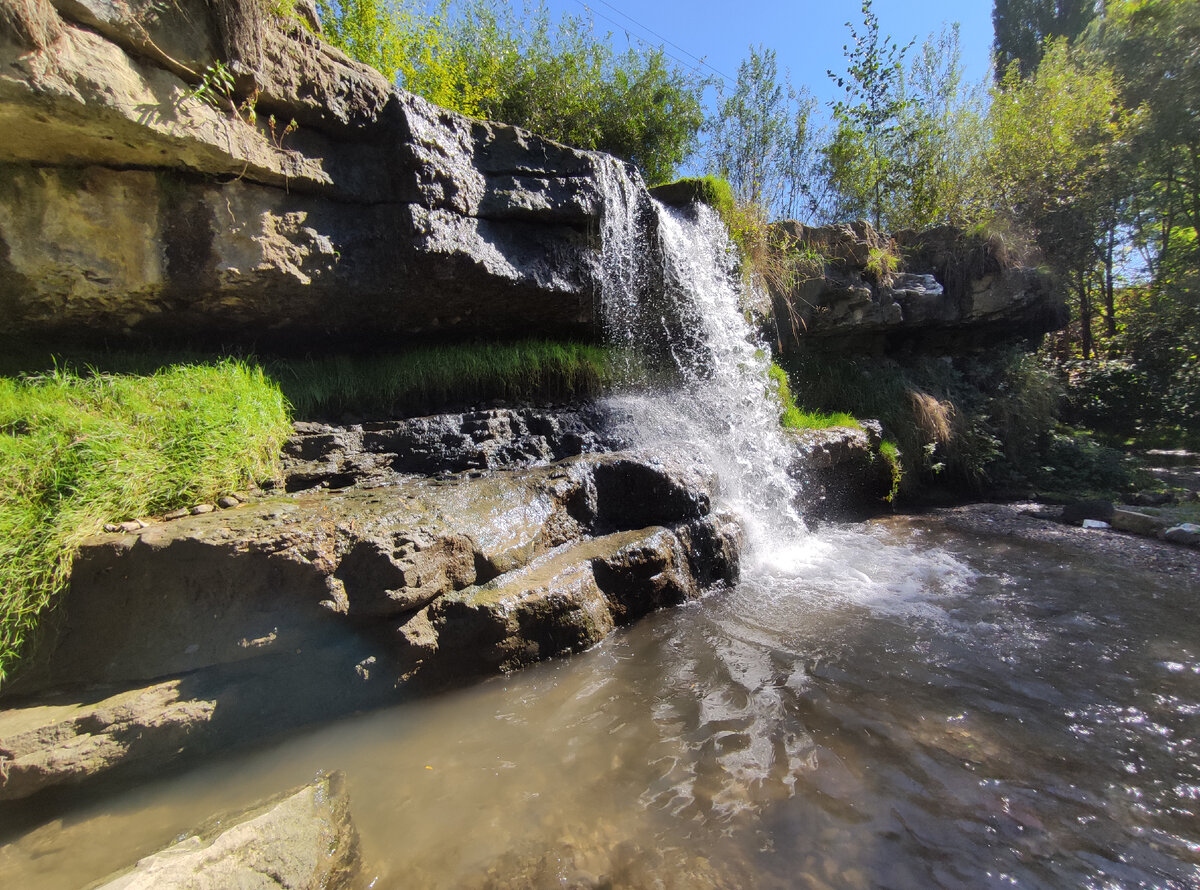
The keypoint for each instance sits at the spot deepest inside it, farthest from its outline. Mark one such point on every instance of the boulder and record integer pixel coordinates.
(840, 472)
(501, 438)
(1137, 523)
(302, 840)
(566, 600)
(132, 208)
(1185, 533)
(300, 575)
(1081, 511)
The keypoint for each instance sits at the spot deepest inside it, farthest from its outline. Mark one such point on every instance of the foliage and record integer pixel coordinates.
(1053, 163)
(1076, 463)
(967, 424)
(863, 160)
(78, 450)
(946, 136)
(890, 452)
(1023, 27)
(559, 80)
(794, 418)
(761, 139)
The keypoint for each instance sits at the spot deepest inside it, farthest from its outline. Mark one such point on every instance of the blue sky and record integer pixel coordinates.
(807, 35)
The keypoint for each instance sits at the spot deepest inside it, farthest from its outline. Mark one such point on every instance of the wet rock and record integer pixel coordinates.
(304, 839)
(227, 502)
(840, 472)
(335, 456)
(286, 573)
(566, 600)
(55, 744)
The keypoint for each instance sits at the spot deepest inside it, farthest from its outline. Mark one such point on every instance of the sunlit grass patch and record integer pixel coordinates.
(78, 450)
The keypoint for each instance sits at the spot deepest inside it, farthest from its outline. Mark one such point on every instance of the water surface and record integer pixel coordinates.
(896, 706)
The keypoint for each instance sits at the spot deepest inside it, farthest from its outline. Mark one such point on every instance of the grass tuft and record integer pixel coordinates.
(793, 417)
(79, 450)
(438, 378)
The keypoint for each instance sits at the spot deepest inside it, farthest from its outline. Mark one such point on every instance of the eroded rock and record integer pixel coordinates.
(296, 573)
(841, 473)
(940, 290)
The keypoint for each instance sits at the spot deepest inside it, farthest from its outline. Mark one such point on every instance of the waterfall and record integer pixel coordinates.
(671, 287)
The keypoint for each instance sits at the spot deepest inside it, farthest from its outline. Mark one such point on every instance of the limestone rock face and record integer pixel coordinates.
(131, 208)
(214, 628)
(304, 840)
(939, 290)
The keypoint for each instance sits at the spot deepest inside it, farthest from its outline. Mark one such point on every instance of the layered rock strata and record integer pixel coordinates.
(841, 473)
(141, 196)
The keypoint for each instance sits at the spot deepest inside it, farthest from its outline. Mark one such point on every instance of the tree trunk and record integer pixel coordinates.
(1085, 317)
(1110, 311)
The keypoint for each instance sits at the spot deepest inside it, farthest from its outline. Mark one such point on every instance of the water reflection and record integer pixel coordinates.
(948, 713)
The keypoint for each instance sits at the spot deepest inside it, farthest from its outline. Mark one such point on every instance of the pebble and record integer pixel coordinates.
(132, 525)
(201, 508)
(177, 514)
(227, 502)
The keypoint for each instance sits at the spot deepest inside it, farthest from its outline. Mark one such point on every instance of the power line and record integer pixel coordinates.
(655, 33)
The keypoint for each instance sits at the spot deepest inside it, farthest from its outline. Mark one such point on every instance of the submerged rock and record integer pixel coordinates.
(302, 840)
(54, 744)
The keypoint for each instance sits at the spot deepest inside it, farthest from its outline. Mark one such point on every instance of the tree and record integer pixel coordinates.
(760, 139)
(862, 161)
(1022, 28)
(1053, 162)
(945, 138)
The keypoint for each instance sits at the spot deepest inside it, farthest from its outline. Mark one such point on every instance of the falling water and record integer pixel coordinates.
(683, 296)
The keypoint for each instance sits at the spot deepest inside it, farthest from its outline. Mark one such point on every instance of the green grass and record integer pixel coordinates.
(79, 450)
(891, 453)
(711, 190)
(440, 377)
(793, 417)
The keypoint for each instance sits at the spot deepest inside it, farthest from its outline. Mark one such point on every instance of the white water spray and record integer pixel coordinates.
(722, 411)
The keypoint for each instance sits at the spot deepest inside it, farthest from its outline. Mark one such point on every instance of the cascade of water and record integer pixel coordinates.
(692, 306)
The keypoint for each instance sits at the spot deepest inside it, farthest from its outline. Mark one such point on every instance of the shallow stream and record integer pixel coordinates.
(887, 706)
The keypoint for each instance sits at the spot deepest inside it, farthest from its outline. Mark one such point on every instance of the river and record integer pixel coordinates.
(893, 706)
